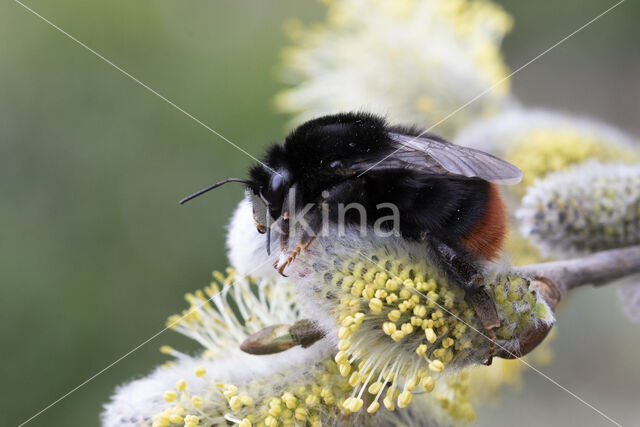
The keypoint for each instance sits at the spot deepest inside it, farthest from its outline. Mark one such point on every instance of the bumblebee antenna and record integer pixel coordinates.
(211, 187)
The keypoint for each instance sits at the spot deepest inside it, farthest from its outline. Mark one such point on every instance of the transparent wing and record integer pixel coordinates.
(431, 155)
(423, 152)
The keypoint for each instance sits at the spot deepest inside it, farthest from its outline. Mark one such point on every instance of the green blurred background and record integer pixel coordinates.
(95, 251)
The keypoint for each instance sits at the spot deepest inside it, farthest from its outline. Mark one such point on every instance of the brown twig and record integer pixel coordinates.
(598, 269)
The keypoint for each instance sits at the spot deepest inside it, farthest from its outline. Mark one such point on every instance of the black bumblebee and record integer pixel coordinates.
(446, 194)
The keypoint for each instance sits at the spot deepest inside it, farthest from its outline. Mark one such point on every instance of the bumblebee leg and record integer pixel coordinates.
(307, 238)
(328, 204)
(486, 311)
(292, 256)
(466, 275)
(284, 238)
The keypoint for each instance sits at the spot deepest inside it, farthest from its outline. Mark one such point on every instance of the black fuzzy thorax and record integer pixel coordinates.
(315, 149)
(447, 207)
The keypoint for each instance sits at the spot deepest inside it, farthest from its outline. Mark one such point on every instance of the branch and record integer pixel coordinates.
(600, 268)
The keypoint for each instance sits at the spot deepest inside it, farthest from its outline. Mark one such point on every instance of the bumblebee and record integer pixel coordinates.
(446, 195)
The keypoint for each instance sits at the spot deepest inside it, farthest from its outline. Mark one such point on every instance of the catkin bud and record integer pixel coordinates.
(587, 208)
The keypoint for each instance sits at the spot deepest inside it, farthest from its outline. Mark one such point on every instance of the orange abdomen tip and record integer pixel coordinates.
(486, 239)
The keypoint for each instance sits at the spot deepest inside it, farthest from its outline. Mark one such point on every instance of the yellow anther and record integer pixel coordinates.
(368, 292)
(436, 366)
(235, 403)
(245, 422)
(343, 332)
(381, 279)
(416, 321)
(165, 349)
(397, 336)
(391, 298)
(229, 390)
(373, 407)
(347, 321)
(420, 310)
(245, 399)
(343, 345)
(311, 400)
(406, 328)
(270, 421)
(275, 411)
(375, 387)
(381, 294)
(388, 403)
(344, 368)
(356, 404)
(300, 414)
(354, 379)
(428, 384)
(181, 385)
(392, 392)
(431, 336)
(388, 328)
(375, 305)
(447, 342)
(394, 315)
(421, 350)
(289, 400)
(196, 401)
(200, 371)
(341, 357)
(176, 419)
(169, 396)
(192, 419)
(404, 399)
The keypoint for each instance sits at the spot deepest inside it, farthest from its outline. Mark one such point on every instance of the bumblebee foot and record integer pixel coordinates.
(303, 244)
(487, 313)
(492, 346)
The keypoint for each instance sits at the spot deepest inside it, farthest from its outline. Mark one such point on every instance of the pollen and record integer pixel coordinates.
(400, 323)
(373, 407)
(404, 399)
(392, 345)
(394, 315)
(375, 305)
(196, 401)
(169, 396)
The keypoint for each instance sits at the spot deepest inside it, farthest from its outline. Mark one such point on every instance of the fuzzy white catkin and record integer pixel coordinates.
(499, 133)
(414, 61)
(139, 400)
(584, 209)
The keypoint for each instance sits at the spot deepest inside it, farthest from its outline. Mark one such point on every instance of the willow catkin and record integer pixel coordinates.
(588, 208)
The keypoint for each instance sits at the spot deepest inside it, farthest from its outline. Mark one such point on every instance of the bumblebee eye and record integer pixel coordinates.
(276, 187)
(259, 211)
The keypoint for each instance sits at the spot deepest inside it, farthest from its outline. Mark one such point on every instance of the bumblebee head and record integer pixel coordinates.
(266, 190)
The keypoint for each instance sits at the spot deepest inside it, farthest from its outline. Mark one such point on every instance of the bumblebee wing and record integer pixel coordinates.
(431, 155)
